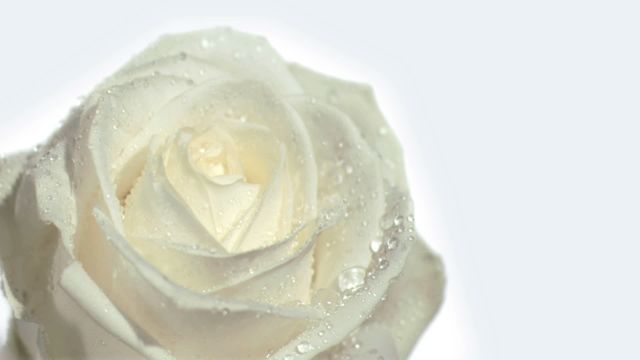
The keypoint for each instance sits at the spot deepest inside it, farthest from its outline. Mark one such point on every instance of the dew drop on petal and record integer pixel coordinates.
(304, 347)
(386, 222)
(351, 279)
(375, 244)
(392, 243)
(383, 264)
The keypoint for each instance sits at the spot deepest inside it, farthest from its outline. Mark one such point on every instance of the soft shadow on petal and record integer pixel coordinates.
(36, 243)
(410, 304)
(358, 102)
(210, 272)
(156, 212)
(11, 167)
(176, 317)
(355, 307)
(349, 173)
(119, 132)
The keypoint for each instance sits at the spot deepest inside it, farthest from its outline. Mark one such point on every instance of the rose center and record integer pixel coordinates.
(213, 156)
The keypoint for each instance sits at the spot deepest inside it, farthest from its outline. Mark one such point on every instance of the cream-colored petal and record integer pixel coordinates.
(176, 318)
(357, 305)
(207, 272)
(11, 167)
(242, 55)
(90, 298)
(411, 302)
(272, 219)
(36, 246)
(349, 174)
(358, 102)
(120, 131)
(178, 65)
(37, 218)
(27, 342)
(289, 282)
(216, 103)
(68, 329)
(156, 212)
(219, 206)
(370, 341)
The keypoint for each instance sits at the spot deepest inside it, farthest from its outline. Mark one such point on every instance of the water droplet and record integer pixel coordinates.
(304, 347)
(351, 279)
(205, 43)
(348, 169)
(383, 130)
(375, 244)
(392, 243)
(383, 264)
(398, 220)
(386, 222)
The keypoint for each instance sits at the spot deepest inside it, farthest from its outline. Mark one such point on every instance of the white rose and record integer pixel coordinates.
(211, 201)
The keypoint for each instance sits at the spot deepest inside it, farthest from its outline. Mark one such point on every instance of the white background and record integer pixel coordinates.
(519, 119)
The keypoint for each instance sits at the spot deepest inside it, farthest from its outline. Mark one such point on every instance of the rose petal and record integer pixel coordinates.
(340, 152)
(411, 303)
(208, 272)
(177, 318)
(182, 66)
(36, 246)
(358, 102)
(34, 222)
(215, 103)
(11, 167)
(242, 55)
(356, 306)
(370, 341)
(155, 212)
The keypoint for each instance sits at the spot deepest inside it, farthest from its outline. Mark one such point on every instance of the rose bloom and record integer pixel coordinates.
(212, 201)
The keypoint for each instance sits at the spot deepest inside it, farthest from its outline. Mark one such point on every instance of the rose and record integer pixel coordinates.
(210, 201)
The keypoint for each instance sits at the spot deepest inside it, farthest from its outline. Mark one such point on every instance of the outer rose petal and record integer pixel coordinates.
(349, 172)
(356, 307)
(10, 169)
(411, 303)
(358, 102)
(38, 221)
(241, 55)
(177, 318)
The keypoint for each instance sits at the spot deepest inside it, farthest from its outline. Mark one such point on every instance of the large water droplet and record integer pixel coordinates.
(304, 347)
(351, 279)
